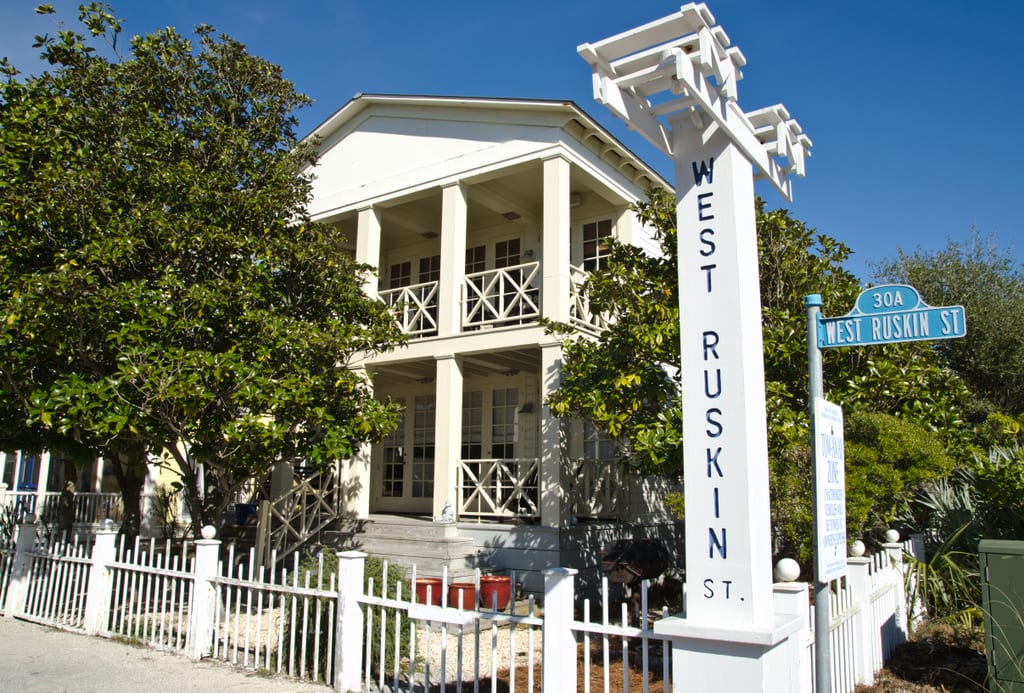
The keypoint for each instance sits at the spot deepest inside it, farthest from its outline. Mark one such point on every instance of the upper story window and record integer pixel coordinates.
(595, 244)
(476, 259)
(506, 253)
(430, 269)
(400, 275)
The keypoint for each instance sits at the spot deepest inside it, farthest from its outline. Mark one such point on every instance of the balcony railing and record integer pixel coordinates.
(510, 489)
(415, 308)
(506, 296)
(494, 298)
(580, 313)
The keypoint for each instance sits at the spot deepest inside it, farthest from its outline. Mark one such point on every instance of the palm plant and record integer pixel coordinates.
(946, 582)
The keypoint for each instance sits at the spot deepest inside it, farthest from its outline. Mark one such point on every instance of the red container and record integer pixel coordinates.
(492, 586)
(468, 592)
(435, 587)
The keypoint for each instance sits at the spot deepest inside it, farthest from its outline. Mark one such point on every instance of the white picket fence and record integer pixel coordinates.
(320, 625)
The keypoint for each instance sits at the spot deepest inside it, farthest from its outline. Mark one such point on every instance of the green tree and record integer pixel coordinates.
(989, 283)
(162, 290)
(626, 382)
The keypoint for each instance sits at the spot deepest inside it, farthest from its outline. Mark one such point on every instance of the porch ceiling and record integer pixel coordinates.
(514, 195)
(505, 362)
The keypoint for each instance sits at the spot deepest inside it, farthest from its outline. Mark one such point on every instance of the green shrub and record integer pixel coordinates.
(326, 560)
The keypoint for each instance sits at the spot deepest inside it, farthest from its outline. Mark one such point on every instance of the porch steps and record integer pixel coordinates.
(408, 541)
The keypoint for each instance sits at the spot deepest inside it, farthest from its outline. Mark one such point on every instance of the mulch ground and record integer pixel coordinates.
(938, 659)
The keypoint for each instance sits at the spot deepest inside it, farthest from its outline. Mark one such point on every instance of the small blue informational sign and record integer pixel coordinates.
(891, 313)
(830, 486)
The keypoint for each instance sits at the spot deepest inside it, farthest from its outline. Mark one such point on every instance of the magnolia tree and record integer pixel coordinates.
(906, 410)
(162, 293)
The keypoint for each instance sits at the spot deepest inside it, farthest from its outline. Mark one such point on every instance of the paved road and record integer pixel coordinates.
(36, 659)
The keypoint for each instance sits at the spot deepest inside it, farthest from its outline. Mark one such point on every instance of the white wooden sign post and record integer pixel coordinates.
(674, 81)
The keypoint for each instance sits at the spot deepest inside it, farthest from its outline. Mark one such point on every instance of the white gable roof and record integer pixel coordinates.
(380, 146)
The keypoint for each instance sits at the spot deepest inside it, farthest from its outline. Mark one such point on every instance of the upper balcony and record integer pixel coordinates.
(492, 298)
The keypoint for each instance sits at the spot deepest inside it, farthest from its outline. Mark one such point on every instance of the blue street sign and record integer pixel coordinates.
(891, 313)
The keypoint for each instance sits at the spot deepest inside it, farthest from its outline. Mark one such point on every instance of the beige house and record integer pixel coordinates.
(483, 216)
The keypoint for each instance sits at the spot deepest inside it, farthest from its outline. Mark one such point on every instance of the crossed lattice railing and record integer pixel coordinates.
(580, 313)
(502, 296)
(415, 308)
(499, 488)
(597, 488)
(292, 519)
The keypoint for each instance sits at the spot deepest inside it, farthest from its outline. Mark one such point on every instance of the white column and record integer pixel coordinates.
(447, 434)
(556, 257)
(791, 599)
(858, 582)
(17, 586)
(204, 602)
(99, 474)
(356, 473)
(3, 464)
(454, 216)
(368, 246)
(731, 638)
(895, 553)
(728, 542)
(17, 470)
(553, 510)
(41, 482)
(560, 646)
(97, 595)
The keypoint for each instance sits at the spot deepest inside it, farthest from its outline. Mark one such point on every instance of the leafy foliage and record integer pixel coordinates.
(380, 579)
(161, 288)
(888, 456)
(626, 380)
(989, 283)
(984, 500)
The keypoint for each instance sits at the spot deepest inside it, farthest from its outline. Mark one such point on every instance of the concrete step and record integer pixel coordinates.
(404, 541)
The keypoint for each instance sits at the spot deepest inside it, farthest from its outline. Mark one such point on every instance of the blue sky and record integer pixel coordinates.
(913, 105)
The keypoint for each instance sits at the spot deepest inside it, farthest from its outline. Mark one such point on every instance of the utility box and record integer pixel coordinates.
(1002, 598)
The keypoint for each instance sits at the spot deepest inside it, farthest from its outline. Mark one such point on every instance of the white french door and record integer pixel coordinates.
(404, 481)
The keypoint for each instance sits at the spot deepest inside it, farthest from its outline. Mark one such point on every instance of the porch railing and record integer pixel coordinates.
(504, 296)
(580, 313)
(499, 489)
(504, 489)
(415, 308)
(597, 488)
(89, 507)
(288, 522)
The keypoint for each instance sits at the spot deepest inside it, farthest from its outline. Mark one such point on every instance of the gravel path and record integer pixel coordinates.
(509, 644)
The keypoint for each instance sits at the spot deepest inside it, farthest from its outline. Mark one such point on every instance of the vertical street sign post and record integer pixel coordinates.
(881, 315)
(674, 80)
